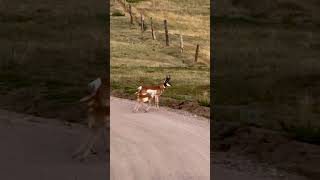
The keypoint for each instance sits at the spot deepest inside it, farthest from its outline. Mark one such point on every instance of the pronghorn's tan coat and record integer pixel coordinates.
(155, 91)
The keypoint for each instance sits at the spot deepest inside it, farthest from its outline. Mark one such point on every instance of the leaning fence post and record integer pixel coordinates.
(152, 30)
(125, 5)
(142, 22)
(181, 43)
(130, 12)
(196, 55)
(166, 31)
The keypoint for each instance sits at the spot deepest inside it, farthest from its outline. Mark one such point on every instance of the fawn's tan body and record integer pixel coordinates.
(142, 98)
(98, 115)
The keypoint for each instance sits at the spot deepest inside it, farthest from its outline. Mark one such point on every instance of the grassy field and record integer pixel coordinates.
(136, 59)
(49, 51)
(267, 73)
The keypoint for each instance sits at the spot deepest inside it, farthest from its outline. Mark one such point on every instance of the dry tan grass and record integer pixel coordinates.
(188, 18)
(134, 55)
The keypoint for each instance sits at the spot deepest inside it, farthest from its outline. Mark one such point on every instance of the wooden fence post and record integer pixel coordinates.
(130, 12)
(166, 31)
(152, 30)
(196, 55)
(181, 43)
(142, 22)
(125, 5)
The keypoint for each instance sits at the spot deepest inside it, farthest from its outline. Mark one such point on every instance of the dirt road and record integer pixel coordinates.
(40, 149)
(157, 145)
(168, 145)
(173, 145)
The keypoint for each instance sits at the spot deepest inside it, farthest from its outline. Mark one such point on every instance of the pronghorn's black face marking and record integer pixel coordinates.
(167, 82)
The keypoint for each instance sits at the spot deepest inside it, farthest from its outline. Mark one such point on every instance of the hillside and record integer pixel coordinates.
(138, 59)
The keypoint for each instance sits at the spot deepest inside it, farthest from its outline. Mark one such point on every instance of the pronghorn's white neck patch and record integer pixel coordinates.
(95, 84)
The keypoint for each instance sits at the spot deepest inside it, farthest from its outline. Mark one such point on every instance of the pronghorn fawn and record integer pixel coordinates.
(155, 91)
(141, 99)
(98, 116)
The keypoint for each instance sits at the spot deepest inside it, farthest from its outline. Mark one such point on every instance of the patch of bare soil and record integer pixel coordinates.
(192, 107)
(268, 146)
(40, 148)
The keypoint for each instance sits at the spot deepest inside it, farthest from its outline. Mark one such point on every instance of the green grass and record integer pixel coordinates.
(184, 86)
(137, 60)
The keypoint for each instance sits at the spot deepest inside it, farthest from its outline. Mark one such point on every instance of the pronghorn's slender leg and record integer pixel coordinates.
(154, 101)
(135, 107)
(157, 102)
(96, 133)
(148, 106)
(138, 106)
(87, 144)
(83, 146)
(87, 148)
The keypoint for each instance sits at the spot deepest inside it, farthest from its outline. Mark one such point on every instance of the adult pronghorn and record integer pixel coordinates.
(155, 91)
(98, 115)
